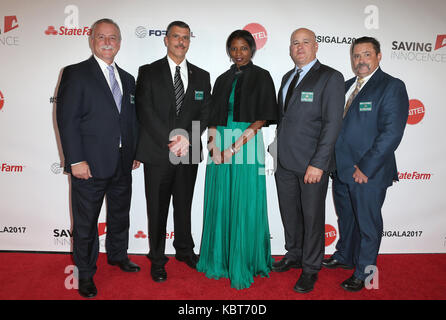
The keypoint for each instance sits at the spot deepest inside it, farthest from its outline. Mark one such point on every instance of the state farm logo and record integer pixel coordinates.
(65, 31)
(11, 168)
(141, 235)
(416, 111)
(419, 51)
(10, 23)
(330, 234)
(414, 175)
(258, 33)
(2, 100)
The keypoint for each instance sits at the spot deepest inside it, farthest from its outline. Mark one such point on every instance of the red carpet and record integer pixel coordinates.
(35, 276)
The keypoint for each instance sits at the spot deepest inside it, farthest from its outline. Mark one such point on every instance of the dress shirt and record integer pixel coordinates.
(103, 65)
(183, 71)
(305, 70)
(353, 86)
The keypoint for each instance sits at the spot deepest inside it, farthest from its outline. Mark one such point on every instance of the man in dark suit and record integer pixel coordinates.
(375, 116)
(172, 97)
(97, 124)
(310, 104)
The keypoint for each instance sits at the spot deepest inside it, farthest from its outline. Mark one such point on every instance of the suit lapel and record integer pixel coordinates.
(167, 79)
(284, 81)
(99, 75)
(191, 79)
(370, 84)
(125, 89)
(308, 78)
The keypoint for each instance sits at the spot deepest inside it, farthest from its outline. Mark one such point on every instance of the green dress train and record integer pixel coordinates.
(236, 240)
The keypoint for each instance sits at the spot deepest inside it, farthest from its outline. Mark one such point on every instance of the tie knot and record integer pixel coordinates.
(177, 68)
(299, 71)
(110, 68)
(360, 82)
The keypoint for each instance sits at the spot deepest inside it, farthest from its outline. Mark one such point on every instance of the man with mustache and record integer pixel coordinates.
(97, 124)
(375, 116)
(172, 97)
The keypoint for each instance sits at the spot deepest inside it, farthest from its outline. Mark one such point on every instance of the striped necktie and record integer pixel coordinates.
(353, 95)
(116, 91)
(179, 89)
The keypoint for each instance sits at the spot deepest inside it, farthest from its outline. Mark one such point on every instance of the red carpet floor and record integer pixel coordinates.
(38, 276)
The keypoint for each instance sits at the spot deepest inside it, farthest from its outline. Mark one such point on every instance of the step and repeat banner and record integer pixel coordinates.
(39, 38)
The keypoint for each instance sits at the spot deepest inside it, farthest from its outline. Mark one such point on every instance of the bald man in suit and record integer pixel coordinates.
(311, 101)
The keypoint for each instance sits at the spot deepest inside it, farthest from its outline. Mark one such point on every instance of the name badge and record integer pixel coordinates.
(199, 95)
(365, 106)
(306, 96)
(132, 99)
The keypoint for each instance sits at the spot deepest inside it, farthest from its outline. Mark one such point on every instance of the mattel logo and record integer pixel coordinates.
(11, 168)
(258, 33)
(414, 175)
(330, 234)
(10, 23)
(64, 31)
(416, 111)
(2, 100)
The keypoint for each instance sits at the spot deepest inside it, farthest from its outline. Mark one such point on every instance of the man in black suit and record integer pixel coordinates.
(172, 97)
(311, 101)
(97, 123)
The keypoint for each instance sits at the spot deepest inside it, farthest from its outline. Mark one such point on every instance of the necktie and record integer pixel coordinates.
(353, 95)
(116, 91)
(289, 93)
(179, 89)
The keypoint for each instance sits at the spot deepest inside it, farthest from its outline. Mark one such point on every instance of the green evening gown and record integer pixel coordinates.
(236, 240)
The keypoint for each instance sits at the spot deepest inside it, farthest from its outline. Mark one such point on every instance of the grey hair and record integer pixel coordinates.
(105, 20)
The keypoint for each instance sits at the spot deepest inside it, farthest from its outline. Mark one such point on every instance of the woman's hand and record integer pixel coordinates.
(226, 155)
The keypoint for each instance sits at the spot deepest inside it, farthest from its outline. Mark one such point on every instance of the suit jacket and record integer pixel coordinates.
(89, 122)
(307, 131)
(156, 111)
(372, 130)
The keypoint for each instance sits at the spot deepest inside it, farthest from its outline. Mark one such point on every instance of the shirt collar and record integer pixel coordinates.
(307, 67)
(172, 64)
(367, 78)
(104, 64)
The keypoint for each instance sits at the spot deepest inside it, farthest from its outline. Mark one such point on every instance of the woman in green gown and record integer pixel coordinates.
(236, 240)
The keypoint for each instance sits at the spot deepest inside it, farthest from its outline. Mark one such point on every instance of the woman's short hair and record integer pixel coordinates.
(241, 34)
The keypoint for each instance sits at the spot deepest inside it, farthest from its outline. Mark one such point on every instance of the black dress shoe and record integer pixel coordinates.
(87, 289)
(353, 284)
(285, 264)
(332, 263)
(158, 273)
(306, 282)
(191, 261)
(125, 265)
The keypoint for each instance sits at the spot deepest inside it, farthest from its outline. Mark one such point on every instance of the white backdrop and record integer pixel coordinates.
(37, 41)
